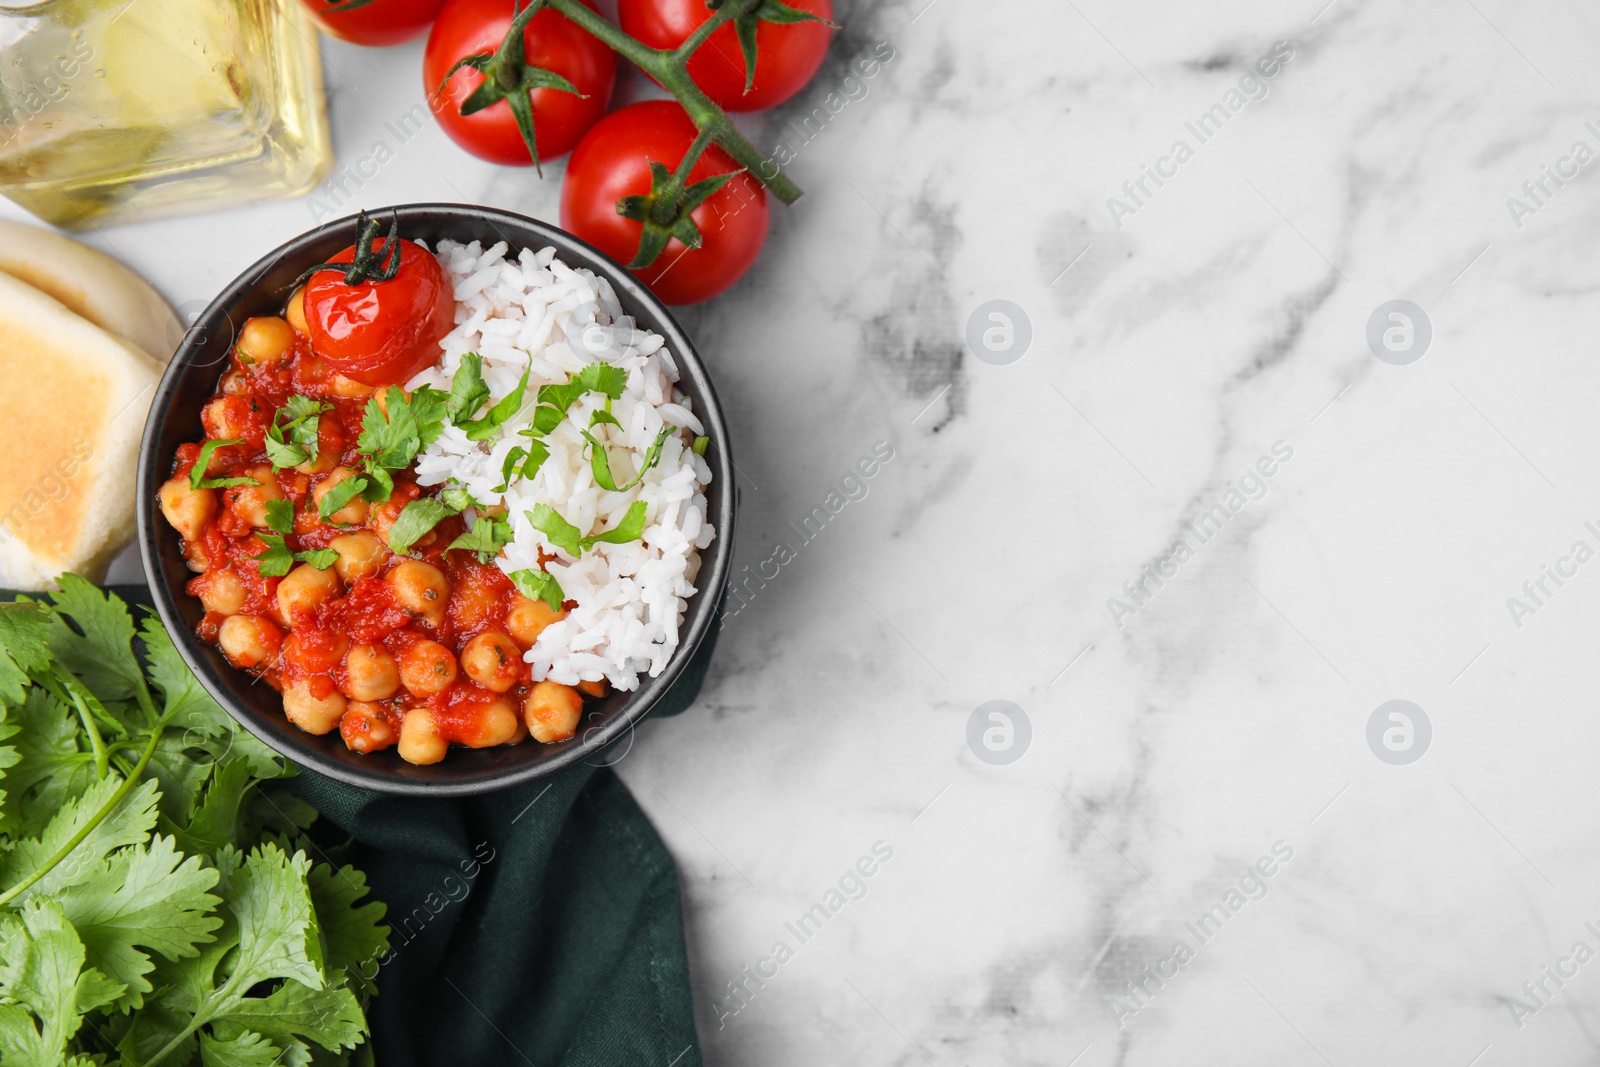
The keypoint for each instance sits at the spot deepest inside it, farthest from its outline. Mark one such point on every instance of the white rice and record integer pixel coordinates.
(630, 598)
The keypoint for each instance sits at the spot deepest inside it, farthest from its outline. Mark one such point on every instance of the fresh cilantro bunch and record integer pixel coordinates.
(157, 905)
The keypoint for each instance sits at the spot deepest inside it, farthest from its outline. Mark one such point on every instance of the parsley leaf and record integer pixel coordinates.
(631, 528)
(416, 519)
(561, 533)
(486, 427)
(600, 462)
(486, 537)
(280, 515)
(197, 473)
(537, 585)
(468, 391)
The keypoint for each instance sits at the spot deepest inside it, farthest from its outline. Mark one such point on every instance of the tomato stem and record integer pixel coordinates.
(671, 70)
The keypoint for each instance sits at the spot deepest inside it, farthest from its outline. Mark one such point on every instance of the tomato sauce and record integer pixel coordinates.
(359, 602)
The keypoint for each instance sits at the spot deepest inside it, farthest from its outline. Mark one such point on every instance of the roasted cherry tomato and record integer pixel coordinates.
(613, 161)
(553, 43)
(384, 329)
(787, 54)
(376, 23)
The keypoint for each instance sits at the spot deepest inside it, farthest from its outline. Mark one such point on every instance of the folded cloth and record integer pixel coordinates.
(538, 925)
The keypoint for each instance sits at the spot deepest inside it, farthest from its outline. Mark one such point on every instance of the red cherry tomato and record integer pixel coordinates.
(377, 332)
(375, 24)
(613, 161)
(787, 54)
(554, 43)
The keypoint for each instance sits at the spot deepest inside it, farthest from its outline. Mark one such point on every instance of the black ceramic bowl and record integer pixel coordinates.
(191, 380)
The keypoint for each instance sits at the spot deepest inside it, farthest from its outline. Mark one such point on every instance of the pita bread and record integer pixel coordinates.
(92, 285)
(71, 415)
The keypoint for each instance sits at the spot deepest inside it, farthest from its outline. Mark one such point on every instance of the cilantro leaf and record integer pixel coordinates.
(344, 491)
(354, 937)
(276, 560)
(468, 391)
(429, 406)
(600, 462)
(523, 461)
(47, 766)
(554, 400)
(391, 439)
(560, 533)
(101, 655)
(129, 823)
(538, 585)
(457, 499)
(145, 897)
(486, 427)
(42, 974)
(486, 537)
(197, 473)
(416, 519)
(248, 1049)
(272, 905)
(293, 435)
(280, 515)
(631, 528)
(320, 558)
(331, 1018)
(24, 647)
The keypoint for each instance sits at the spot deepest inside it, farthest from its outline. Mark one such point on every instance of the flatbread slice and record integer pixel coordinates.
(72, 410)
(92, 285)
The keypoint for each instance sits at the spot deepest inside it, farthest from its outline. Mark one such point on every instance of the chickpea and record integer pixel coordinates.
(249, 502)
(249, 640)
(420, 588)
(327, 458)
(223, 591)
(420, 742)
(427, 667)
(227, 418)
(492, 661)
(497, 724)
(302, 589)
(314, 652)
(595, 689)
(529, 618)
(552, 711)
(361, 555)
(371, 673)
(352, 514)
(365, 729)
(187, 509)
(349, 387)
(295, 311)
(263, 338)
(313, 713)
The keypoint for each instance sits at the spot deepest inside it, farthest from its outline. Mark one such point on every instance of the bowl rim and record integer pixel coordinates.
(710, 583)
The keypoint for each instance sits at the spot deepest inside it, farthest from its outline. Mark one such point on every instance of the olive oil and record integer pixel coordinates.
(116, 110)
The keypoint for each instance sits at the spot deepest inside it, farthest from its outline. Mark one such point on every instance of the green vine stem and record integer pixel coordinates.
(671, 70)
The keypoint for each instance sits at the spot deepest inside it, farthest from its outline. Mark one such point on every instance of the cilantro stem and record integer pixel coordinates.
(98, 746)
(99, 817)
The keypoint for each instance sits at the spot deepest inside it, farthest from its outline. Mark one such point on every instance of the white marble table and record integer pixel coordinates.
(1182, 731)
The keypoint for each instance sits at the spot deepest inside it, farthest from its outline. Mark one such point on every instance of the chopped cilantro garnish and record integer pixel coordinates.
(468, 392)
(341, 494)
(197, 474)
(390, 439)
(523, 462)
(428, 406)
(537, 585)
(554, 400)
(321, 558)
(292, 436)
(559, 531)
(280, 516)
(486, 427)
(600, 462)
(700, 444)
(457, 498)
(277, 559)
(631, 528)
(487, 537)
(416, 519)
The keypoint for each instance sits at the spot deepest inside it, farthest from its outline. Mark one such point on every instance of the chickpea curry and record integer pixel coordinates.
(391, 637)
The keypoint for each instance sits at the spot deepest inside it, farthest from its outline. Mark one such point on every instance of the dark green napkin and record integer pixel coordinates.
(538, 925)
